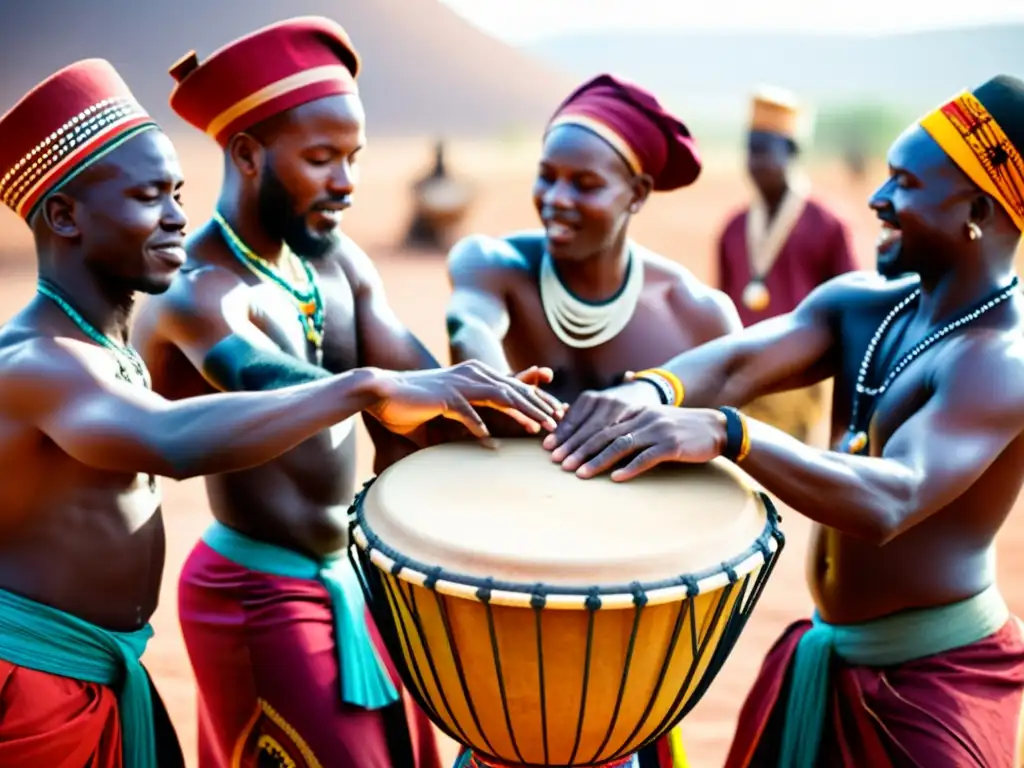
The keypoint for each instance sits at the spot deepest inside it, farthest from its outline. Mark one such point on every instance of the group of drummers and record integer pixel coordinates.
(265, 334)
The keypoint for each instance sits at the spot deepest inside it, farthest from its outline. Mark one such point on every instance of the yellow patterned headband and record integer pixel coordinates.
(978, 145)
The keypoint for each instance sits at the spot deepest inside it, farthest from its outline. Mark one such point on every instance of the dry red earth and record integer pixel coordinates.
(681, 225)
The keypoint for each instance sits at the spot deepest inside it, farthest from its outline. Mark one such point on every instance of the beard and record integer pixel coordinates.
(276, 211)
(891, 265)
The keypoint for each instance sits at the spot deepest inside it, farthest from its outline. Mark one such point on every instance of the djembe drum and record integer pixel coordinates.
(544, 620)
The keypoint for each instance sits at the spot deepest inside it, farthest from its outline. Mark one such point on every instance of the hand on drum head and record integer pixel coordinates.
(593, 411)
(537, 375)
(409, 399)
(649, 437)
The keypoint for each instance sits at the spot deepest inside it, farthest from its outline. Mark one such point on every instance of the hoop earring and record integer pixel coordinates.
(973, 231)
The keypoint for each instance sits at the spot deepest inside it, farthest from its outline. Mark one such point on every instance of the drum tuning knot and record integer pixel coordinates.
(762, 545)
(431, 581)
(538, 600)
(692, 590)
(483, 594)
(639, 596)
(730, 572)
(593, 601)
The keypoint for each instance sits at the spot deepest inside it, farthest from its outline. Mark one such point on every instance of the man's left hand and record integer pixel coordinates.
(650, 436)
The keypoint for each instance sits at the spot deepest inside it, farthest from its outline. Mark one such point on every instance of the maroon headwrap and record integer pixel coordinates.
(631, 120)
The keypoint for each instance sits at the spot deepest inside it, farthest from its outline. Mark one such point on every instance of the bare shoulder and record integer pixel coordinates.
(688, 294)
(479, 259)
(855, 292)
(984, 369)
(35, 369)
(354, 263)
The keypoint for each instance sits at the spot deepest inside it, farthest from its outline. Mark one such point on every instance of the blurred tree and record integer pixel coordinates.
(858, 131)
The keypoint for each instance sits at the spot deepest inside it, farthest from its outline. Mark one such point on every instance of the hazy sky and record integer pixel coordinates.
(523, 20)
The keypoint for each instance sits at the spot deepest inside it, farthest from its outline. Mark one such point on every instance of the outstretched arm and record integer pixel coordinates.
(67, 390)
(477, 316)
(106, 424)
(928, 462)
(785, 352)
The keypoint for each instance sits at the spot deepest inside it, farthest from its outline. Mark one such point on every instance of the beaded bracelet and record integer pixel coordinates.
(737, 440)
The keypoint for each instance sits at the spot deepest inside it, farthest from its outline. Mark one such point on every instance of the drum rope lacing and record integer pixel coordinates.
(382, 592)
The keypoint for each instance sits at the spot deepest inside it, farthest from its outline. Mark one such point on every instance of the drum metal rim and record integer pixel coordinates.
(526, 595)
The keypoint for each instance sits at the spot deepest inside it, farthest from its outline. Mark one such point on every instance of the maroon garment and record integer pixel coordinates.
(817, 250)
(958, 709)
(262, 649)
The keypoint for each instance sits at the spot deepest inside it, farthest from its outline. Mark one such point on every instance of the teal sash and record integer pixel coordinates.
(364, 679)
(36, 636)
(889, 641)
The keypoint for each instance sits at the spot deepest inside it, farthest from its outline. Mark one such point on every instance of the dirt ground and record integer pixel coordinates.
(681, 225)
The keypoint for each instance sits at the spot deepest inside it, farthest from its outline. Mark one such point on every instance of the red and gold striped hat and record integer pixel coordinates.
(266, 72)
(631, 119)
(62, 126)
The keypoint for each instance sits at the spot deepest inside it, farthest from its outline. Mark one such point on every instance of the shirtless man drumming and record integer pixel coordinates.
(83, 440)
(580, 297)
(912, 657)
(274, 294)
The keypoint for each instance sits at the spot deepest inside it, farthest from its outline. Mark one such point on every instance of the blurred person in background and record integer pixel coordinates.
(785, 244)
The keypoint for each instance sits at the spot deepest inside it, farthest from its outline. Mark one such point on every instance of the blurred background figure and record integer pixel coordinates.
(856, 161)
(782, 246)
(440, 203)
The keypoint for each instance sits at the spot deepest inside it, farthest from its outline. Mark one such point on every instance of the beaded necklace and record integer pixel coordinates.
(307, 300)
(856, 440)
(584, 324)
(122, 352)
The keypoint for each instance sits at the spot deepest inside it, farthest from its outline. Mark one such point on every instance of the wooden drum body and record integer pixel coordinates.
(545, 620)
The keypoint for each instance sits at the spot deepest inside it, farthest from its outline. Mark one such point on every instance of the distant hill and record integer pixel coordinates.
(708, 76)
(426, 70)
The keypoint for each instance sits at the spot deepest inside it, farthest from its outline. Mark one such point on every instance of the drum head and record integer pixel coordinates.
(514, 515)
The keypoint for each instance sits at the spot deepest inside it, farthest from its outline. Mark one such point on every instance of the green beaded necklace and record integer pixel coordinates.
(308, 301)
(121, 352)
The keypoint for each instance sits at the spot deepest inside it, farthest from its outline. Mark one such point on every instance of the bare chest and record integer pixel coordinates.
(275, 312)
(655, 333)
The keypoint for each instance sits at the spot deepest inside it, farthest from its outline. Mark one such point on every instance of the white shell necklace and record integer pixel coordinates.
(582, 324)
(857, 439)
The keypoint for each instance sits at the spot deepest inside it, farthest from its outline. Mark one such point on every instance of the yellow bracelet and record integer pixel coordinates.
(745, 444)
(737, 438)
(674, 385)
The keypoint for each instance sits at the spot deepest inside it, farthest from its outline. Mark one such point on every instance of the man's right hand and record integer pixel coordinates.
(409, 399)
(592, 411)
